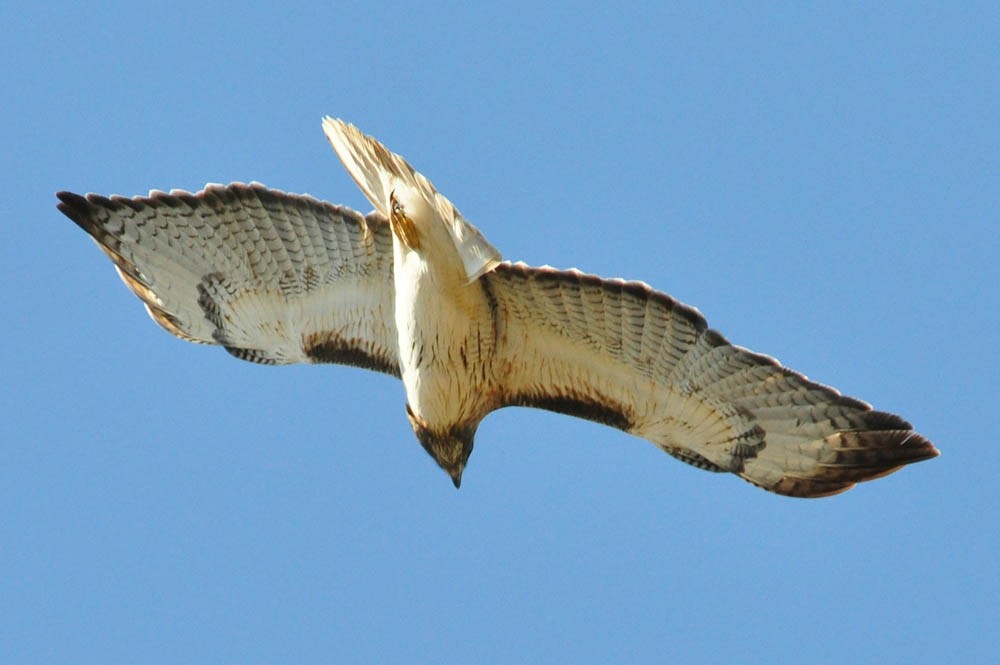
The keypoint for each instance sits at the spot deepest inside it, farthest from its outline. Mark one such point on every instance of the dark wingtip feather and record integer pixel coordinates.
(856, 457)
(69, 198)
(77, 208)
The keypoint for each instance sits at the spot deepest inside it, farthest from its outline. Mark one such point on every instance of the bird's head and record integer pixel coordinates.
(451, 454)
(450, 448)
(408, 200)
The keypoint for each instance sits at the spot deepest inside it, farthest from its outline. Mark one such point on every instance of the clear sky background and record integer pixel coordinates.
(821, 180)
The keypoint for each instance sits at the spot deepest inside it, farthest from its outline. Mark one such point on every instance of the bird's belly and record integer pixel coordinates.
(446, 344)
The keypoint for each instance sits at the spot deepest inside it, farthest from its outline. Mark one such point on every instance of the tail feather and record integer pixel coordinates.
(377, 171)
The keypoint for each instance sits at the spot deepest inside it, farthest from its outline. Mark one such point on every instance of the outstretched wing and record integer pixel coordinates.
(273, 277)
(623, 354)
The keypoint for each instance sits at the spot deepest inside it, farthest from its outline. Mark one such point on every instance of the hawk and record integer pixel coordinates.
(415, 291)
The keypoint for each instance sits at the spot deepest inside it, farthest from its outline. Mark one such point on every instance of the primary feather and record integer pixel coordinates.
(415, 291)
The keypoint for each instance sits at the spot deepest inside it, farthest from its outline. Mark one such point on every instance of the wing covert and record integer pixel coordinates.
(625, 355)
(273, 277)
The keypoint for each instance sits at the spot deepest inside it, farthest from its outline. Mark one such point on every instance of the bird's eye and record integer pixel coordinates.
(394, 204)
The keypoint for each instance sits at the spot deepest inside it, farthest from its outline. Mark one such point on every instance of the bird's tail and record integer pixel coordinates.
(377, 171)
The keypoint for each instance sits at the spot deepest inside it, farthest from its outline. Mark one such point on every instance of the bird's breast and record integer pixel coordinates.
(447, 341)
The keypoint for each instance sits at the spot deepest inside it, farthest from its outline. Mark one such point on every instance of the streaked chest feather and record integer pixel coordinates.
(447, 341)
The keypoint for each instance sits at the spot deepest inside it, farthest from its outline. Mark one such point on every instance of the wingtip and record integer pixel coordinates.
(70, 200)
(856, 457)
(916, 448)
(78, 208)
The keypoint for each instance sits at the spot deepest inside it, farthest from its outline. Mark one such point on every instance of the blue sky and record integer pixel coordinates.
(820, 180)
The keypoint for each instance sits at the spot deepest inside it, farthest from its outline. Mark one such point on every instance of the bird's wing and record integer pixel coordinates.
(273, 277)
(623, 354)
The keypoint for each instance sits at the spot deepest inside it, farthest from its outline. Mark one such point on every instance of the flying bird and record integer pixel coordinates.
(416, 291)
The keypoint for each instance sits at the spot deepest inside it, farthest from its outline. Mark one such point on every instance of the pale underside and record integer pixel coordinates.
(280, 278)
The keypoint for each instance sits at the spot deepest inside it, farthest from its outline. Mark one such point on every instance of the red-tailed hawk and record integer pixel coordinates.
(415, 291)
